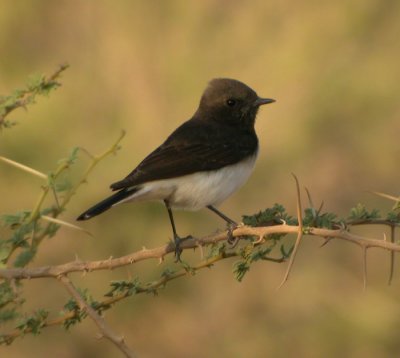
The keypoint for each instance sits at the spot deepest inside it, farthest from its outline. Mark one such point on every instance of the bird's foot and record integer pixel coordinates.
(231, 239)
(177, 241)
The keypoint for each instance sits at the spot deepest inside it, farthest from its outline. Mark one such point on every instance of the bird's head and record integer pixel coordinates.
(230, 101)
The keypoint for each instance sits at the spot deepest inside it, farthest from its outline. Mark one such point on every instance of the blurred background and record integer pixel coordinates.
(333, 68)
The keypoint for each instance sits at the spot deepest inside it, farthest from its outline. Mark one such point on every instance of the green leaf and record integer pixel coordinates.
(63, 185)
(7, 294)
(325, 220)
(34, 323)
(34, 82)
(286, 254)
(18, 238)
(168, 272)
(216, 249)
(393, 217)
(8, 315)
(24, 257)
(71, 159)
(260, 253)
(52, 229)
(361, 213)
(270, 216)
(11, 220)
(240, 268)
(127, 287)
(72, 306)
(5, 250)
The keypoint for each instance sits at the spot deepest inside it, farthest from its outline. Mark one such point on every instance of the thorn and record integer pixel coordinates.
(259, 240)
(160, 260)
(198, 244)
(320, 207)
(310, 202)
(327, 240)
(343, 226)
(299, 234)
(283, 221)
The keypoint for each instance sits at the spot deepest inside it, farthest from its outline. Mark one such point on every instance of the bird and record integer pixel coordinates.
(204, 161)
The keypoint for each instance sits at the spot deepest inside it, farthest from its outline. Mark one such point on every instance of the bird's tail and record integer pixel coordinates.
(106, 204)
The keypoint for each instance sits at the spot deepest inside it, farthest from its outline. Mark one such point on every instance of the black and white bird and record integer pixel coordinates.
(202, 162)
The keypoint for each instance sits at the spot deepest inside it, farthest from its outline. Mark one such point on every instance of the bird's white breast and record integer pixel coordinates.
(198, 190)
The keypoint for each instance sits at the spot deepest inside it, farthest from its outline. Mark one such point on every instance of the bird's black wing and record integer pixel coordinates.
(195, 146)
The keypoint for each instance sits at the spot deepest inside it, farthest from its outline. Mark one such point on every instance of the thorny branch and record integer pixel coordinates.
(105, 330)
(60, 271)
(192, 243)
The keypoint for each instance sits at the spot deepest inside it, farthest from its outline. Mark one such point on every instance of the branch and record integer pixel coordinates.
(37, 213)
(22, 98)
(160, 252)
(98, 320)
(151, 287)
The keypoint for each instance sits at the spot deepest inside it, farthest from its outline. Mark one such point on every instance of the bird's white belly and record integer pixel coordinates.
(198, 190)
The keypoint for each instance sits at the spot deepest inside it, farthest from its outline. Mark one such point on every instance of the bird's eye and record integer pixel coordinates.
(231, 102)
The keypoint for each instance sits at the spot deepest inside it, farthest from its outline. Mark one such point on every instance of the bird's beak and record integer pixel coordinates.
(260, 101)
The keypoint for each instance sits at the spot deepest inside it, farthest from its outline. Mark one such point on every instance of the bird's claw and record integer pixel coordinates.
(178, 250)
(231, 239)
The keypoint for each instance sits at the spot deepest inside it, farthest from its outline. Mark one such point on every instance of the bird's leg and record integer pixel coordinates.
(177, 239)
(232, 225)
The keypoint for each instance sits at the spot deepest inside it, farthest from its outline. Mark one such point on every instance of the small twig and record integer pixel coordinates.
(94, 161)
(57, 73)
(105, 330)
(299, 234)
(26, 96)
